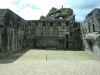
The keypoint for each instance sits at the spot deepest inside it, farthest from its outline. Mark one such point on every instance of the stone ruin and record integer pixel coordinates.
(58, 29)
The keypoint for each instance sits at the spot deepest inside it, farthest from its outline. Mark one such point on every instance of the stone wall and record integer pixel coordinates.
(12, 32)
(50, 42)
(55, 30)
(90, 29)
(16, 33)
(75, 40)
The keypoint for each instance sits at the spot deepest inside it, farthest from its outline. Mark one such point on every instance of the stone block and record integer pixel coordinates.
(60, 27)
(60, 30)
(63, 24)
(64, 29)
(60, 34)
(44, 27)
(65, 32)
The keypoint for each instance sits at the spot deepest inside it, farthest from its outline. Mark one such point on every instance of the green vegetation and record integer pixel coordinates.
(54, 12)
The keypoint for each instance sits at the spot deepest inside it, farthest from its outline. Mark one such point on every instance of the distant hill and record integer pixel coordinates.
(94, 11)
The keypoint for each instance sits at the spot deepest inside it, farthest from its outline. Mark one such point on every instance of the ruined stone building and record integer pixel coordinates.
(57, 30)
(12, 29)
(90, 29)
(54, 34)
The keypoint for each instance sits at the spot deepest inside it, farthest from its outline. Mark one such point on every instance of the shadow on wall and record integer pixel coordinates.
(90, 44)
(52, 42)
(10, 58)
(28, 43)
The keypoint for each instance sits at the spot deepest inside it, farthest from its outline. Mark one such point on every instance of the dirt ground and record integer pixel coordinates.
(49, 62)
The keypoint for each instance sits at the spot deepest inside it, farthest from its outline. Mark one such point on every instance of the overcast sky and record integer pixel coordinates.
(33, 9)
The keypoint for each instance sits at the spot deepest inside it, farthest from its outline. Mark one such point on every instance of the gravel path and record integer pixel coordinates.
(33, 62)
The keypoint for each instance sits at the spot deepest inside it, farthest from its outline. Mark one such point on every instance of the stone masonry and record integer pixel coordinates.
(56, 31)
(12, 29)
(90, 29)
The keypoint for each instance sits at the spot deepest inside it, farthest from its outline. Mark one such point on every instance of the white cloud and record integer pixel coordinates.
(33, 9)
(5, 4)
(43, 6)
(29, 14)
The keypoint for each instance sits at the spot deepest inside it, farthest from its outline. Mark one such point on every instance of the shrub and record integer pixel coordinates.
(58, 11)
